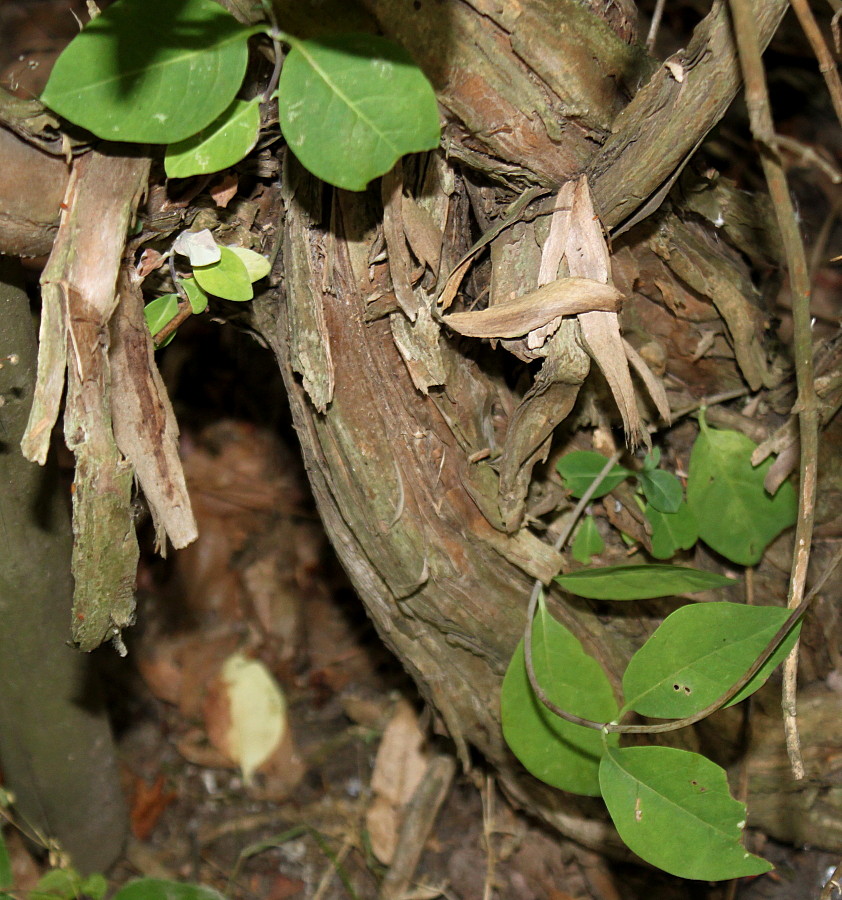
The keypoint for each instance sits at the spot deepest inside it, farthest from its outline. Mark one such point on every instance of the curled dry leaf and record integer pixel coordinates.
(517, 317)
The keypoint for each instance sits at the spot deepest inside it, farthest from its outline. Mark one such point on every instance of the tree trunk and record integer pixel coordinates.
(396, 416)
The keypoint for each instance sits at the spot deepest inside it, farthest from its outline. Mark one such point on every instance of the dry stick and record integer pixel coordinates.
(760, 116)
(827, 65)
(834, 884)
(655, 25)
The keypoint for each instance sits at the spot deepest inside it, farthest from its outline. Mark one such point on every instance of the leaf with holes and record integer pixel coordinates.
(556, 751)
(581, 467)
(674, 810)
(150, 71)
(737, 517)
(697, 653)
(228, 278)
(639, 582)
(587, 542)
(672, 532)
(224, 142)
(351, 105)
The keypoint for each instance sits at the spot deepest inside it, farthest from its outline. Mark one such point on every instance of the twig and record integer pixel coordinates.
(760, 116)
(185, 310)
(827, 65)
(655, 25)
(834, 883)
(488, 833)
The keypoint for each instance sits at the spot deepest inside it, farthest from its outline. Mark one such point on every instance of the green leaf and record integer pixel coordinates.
(587, 542)
(223, 143)
(698, 652)
(95, 886)
(737, 517)
(581, 467)
(228, 278)
(652, 459)
(662, 489)
(674, 810)
(352, 104)
(639, 582)
(560, 753)
(256, 265)
(65, 884)
(5, 864)
(159, 312)
(161, 889)
(150, 71)
(672, 532)
(197, 297)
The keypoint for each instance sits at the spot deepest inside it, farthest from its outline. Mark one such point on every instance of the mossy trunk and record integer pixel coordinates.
(56, 751)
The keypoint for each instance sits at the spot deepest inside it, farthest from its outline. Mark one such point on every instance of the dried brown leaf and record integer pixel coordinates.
(517, 317)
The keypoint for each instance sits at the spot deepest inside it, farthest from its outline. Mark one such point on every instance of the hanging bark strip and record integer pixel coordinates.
(79, 284)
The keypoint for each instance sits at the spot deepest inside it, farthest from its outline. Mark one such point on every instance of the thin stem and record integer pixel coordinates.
(827, 65)
(655, 25)
(760, 116)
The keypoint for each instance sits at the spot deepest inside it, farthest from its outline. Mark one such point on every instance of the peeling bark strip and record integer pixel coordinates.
(144, 424)
(517, 317)
(79, 300)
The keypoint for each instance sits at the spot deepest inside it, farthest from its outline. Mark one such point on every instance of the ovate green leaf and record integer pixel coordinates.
(662, 489)
(639, 582)
(697, 653)
(737, 517)
(256, 265)
(5, 866)
(674, 810)
(228, 278)
(587, 542)
(558, 752)
(58, 884)
(352, 104)
(150, 71)
(160, 312)
(581, 467)
(672, 532)
(161, 889)
(221, 144)
(197, 297)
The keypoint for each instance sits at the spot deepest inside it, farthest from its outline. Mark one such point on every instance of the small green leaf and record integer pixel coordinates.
(159, 312)
(652, 460)
(197, 297)
(674, 810)
(581, 467)
(161, 889)
(662, 489)
(737, 517)
(697, 653)
(224, 142)
(199, 247)
(672, 532)
(560, 753)
(351, 105)
(587, 542)
(5, 864)
(58, 884)
(150, 71)
(228, 278)
(256, 265)
(639, 582)
(95, 886)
